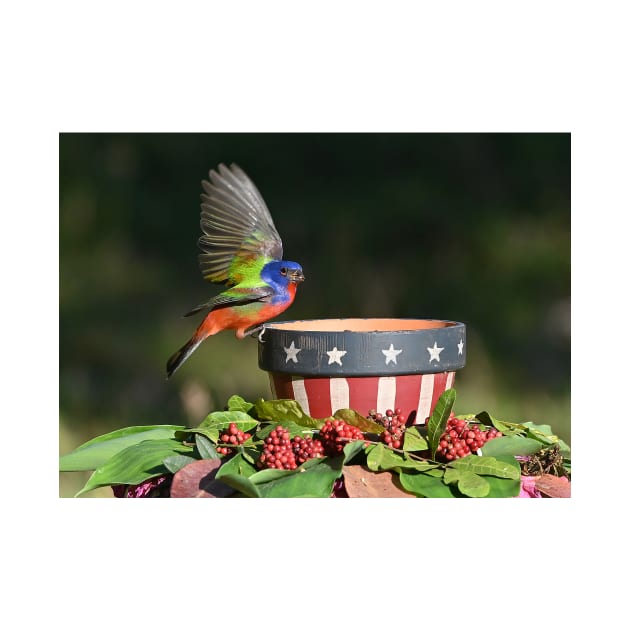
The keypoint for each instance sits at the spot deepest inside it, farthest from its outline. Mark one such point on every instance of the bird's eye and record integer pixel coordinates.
(283, 271)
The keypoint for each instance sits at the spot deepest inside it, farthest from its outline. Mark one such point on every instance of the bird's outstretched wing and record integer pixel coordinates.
(234, 297)
(237, 227)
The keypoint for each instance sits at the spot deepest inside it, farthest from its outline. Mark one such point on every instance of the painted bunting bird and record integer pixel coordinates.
(241, 248)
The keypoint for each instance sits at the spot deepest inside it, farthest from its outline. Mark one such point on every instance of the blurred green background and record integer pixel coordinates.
(469, 227)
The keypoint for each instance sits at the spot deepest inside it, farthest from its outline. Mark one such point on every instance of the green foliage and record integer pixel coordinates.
(413, 441)
(511, 445)
(132, 456)
(481, 465)
(237, 465)
(350, 416)
(97, 451)
(219, 421)
(521, 438)
(135, 464)
(204, 447)
(238, 403)
(177, 462)
(276, 410)
(427, 485)
(381, 457)
(438, 419)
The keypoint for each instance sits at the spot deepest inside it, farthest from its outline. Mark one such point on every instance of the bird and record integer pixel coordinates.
(241, 249)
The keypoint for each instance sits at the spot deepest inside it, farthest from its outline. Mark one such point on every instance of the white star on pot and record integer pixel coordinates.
(391, 354)
(460, 346)
(292, 353)
(435, 352)
(334, 356)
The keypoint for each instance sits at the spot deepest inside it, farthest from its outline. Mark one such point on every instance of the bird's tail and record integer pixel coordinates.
(182, 354)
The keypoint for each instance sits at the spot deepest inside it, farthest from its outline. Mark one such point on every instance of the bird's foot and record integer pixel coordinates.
(257, 331)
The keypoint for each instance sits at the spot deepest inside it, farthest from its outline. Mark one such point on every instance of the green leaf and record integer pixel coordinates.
(413, 441)
(565, 450)
(451, 475)
(506, 468)
(352, 449)
(316, 481)
(427, 485)
(97, 451)
(249, 453)
(236, 403)
(281, 411)
(135, 464)
(544, 434)
(472, 485)
(205, 447)
(224, 418)
(352, 417)
(439, 417)
(379, 458)
(566, 463)
(511, 445)
(236, 465)
(270, 474)
(177, 462)
(431, 484)
(240, 483)
(293, 429)
(541, 429)
(467, 416)
(468, 483)
(219, 421)
(500, 488)
(507, 428)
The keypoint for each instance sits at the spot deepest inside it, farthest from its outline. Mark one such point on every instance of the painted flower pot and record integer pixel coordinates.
(363, 364)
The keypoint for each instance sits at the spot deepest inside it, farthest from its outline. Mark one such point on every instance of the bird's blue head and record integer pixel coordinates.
(281, 273)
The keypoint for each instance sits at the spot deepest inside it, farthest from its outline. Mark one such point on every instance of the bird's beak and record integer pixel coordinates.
(296, 276)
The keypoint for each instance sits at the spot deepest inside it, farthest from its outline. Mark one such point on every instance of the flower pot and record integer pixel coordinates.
(363, 364)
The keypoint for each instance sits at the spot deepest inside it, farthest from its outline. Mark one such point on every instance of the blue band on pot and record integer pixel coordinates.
(362, 347)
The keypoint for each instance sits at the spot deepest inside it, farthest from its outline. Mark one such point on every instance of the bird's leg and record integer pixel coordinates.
(258, 331)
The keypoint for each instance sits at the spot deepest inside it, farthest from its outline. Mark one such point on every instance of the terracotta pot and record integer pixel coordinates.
(363, 364)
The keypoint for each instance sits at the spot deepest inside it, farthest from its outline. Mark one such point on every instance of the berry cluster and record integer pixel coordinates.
(394, 423)
(282, 452)
(461, 438)
(306, 448)
(277, 452)
(232, 437)
(335, 434)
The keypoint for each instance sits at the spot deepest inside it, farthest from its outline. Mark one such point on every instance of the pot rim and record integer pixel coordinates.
(384, 347)
(384, 324)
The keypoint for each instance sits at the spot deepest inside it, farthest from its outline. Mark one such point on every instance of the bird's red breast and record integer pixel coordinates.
(243, 316)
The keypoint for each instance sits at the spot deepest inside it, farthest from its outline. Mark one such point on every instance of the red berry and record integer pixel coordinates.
(394, 424)
(336, 434)
(287, 453)
(460, 438)
(277, 452)
(306, 448)
(232, 437)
